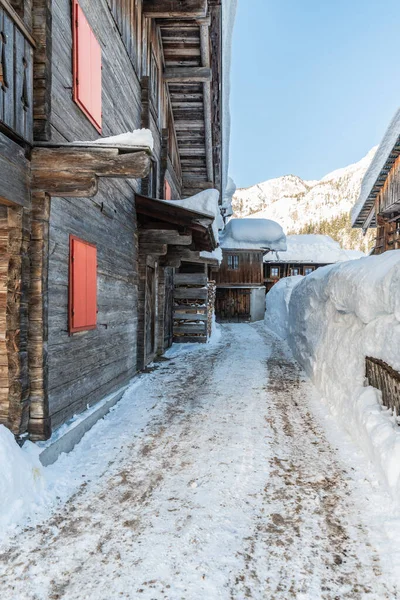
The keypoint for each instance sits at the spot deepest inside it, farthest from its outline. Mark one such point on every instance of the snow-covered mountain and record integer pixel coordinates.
(310, 206)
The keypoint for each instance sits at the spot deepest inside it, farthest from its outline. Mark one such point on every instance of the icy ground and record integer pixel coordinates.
(220, 476)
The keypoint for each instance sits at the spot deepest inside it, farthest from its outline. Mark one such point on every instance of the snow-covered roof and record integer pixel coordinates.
(375, 177)
(206, 202)
(313, 249)
(253, 234)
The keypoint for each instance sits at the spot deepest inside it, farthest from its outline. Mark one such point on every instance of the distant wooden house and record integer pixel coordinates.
(88, 248)
(240, 278)
(304, 254)
(378, 206)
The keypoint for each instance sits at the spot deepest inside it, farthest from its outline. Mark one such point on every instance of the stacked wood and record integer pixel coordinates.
(386, 379)
(190, 308)
(212, 294)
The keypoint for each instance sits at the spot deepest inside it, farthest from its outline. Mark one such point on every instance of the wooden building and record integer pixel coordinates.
(379, 204)
(304, 254)
(88, 247)
(240, 278)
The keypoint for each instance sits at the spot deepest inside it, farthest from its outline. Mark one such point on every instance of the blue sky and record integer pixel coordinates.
(314, 84)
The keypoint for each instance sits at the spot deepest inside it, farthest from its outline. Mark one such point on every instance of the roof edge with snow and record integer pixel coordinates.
(377, 173)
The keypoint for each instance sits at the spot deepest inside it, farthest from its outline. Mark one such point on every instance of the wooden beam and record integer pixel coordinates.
(164, 236)
(73, 172)
(171, 9)
(153, 249)
(188, 75)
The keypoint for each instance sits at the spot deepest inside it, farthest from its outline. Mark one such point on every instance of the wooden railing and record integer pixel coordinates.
(384, 378)
(16, 74)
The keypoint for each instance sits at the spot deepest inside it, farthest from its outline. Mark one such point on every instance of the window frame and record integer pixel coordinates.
(233, 262)
(277, 276)
(71, 328)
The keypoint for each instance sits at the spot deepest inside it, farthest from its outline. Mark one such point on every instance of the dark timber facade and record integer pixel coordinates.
(88, 251)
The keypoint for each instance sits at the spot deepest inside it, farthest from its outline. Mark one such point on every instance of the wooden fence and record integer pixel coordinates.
(383, 377)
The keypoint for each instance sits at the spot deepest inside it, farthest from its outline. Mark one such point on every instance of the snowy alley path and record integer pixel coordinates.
(227, 489)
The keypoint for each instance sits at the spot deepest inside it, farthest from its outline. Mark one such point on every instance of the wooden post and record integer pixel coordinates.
(39, 422)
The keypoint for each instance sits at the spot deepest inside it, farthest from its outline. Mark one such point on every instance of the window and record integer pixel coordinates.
(87, 68)
(233, 262)
(167, 191)
(275, 272)
(82, 285)
(294, 271)
(308, 270)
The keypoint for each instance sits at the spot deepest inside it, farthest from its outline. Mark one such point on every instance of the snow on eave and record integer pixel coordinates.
(376, 175)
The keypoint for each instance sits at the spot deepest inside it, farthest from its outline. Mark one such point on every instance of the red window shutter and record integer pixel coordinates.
(87, 68)
(82, 286)
(167, 191)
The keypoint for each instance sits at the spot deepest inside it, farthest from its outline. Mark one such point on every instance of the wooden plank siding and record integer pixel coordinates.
(250, 269)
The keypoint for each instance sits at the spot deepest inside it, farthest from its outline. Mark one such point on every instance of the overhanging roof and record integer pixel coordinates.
(199, 224)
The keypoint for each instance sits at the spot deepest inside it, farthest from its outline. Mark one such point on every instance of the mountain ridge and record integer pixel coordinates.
(310, 206)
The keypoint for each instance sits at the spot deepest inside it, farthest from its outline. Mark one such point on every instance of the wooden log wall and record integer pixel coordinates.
(14, 285)
(14, 169)
(386, 379)
(121, 97)
(85, 367)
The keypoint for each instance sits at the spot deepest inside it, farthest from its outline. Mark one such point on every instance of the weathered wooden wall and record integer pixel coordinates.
(250, 268)
(84, 367)
(14, 173)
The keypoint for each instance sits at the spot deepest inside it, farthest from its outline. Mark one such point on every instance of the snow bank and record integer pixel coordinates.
(383, 153)
(277, 305)
(253, 234)
(22, 482)
(138, 137)
(338, 315)
(313, 248)
(206, 202)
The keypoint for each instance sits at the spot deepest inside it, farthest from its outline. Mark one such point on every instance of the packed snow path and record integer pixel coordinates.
(229, 490)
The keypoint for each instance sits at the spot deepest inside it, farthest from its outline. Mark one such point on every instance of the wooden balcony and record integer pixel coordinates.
(16, 74)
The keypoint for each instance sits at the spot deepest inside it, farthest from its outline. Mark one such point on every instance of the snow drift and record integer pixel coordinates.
(253, 234)
(277, 305)
(22, 482)
(334, 318)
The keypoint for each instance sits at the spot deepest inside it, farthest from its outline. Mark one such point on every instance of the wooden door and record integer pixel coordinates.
(169, 308)
(233, 305)
(150, 312)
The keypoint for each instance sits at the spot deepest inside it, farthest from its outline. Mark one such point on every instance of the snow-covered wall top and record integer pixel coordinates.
(137, 139)
(253, 234)
(313, 248)
(390, 140)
